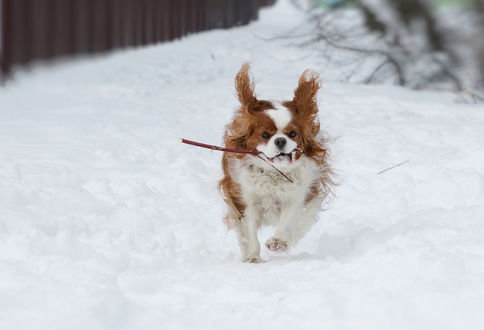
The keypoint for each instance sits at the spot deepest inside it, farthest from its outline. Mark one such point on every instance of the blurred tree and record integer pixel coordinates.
(480, 7)
(410, 10)
(407, 40)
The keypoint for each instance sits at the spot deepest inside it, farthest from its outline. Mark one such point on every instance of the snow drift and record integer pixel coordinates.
(108, 222)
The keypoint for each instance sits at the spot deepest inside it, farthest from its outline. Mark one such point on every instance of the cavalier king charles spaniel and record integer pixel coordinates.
(285, 185)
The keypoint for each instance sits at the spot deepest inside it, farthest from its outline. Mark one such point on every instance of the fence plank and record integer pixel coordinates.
(5, 56)
(43, 29)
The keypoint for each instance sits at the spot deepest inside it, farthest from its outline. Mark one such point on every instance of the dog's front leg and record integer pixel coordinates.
(247, 235)
(285, 229)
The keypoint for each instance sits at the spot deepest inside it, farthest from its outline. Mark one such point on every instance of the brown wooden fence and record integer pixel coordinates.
(33, 30)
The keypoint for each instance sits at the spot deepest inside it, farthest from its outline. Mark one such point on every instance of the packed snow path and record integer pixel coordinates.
(108, 222)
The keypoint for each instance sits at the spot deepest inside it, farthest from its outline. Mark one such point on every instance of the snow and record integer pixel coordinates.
(108, 222)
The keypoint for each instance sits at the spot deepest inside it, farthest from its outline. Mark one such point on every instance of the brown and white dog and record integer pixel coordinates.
(288, 136)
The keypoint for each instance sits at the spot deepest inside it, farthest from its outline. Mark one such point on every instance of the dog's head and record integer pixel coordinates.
(281, 131)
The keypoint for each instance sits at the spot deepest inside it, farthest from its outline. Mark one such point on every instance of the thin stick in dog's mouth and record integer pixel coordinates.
(236, 151)
(278, 170)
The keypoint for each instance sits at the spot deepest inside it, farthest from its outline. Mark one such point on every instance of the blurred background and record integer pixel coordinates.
(417, 43)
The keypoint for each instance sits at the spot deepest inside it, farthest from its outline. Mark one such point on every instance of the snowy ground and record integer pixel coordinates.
(108, 222)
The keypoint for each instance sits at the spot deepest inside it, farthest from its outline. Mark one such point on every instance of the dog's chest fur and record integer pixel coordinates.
(270, 192)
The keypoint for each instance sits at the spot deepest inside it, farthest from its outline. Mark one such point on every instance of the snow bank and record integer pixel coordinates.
(108, 222)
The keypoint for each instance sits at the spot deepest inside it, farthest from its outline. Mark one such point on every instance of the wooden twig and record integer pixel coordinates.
(476, 98)
(388, 169)
(235, 151)
(212, 147)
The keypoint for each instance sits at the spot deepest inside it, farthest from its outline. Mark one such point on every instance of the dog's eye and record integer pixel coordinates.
(266, 135)
(292, 134)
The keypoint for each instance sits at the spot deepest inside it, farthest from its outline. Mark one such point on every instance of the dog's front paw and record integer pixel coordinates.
(253, 260)
(276, 244)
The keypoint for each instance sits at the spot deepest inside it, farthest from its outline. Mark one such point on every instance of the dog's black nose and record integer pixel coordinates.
(280, 142)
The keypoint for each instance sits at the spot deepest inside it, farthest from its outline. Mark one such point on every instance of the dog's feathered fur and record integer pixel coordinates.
(258, 195)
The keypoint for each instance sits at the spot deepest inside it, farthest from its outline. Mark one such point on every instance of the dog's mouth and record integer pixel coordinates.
(282, 157)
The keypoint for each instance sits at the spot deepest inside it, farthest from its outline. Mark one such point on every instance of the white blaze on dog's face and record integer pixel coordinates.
(279, 146)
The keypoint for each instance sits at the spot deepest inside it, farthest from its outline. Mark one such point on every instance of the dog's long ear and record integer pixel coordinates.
(304, 101)
(244, 86)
